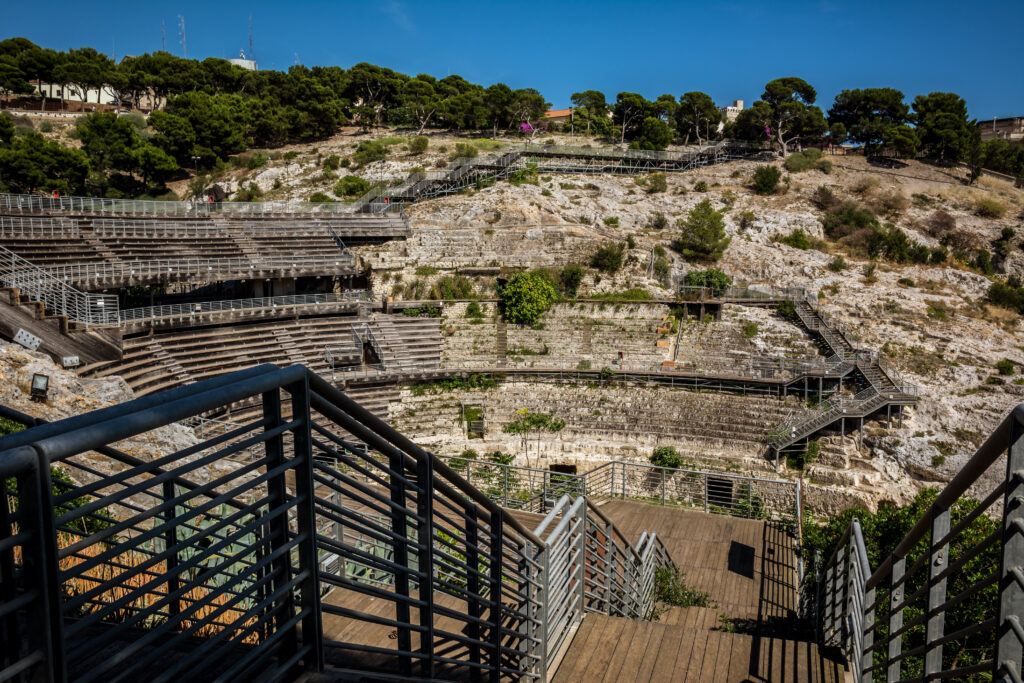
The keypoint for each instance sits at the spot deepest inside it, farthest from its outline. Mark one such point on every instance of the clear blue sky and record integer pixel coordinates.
(727, 49)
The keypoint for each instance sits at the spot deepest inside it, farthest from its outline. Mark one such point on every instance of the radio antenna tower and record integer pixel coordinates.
(181, 32)
(250, 38)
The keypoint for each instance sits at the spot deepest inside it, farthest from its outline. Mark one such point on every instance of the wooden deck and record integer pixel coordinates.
(747, 568)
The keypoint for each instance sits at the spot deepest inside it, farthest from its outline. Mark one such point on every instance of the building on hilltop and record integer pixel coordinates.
(1009, 128)
(730, 112)
(243, 62)
(558, 115)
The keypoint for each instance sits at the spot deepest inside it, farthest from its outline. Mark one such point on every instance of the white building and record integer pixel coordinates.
(732, 111)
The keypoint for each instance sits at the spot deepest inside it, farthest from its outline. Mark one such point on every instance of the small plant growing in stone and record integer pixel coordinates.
(700, 186)
(667, 457)
(659, 221)
(838, 264)
(747, 219)
(612, 221)
(750, 330)
(868, 272)
(1005, 367)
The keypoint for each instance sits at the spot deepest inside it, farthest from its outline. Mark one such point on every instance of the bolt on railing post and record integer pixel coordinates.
(1009, 649)
(895, 620)
(938, 560)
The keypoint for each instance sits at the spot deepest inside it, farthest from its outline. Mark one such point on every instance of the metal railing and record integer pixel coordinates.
(57, 296)
(20, 227)
(946, 603)
(147, 313)
(122, 271)
(140, 207)
(199, 565)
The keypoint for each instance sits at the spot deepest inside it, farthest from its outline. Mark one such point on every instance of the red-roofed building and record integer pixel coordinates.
(558, 115)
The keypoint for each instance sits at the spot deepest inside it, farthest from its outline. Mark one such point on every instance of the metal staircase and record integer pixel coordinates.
(466, 171)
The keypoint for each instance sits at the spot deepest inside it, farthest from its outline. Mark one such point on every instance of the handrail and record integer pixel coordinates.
(57, 296)
(863, 611)
(148, 313)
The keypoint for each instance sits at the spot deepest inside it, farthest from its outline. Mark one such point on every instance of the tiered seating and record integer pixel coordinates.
(285, 244)
(50, 252)
(607, 420)
(468, 342)
(565, 340)
(171, 248)
(721, 346)
(179, 356)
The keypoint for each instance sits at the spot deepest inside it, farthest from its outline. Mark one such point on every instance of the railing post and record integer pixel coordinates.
(705, 492)
(1009, 649)
(664, 478)
(936, 621)
(581, 568)
(170, 540)
(472, 601)
(495, 567)
(544, 561)
(610, 553)
(896, 620)
(277, 527)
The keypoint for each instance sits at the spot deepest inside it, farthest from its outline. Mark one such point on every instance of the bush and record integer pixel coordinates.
(766, 178)
(319, 197)
(419, 144)
(670, 588)
(750, 330)
(865, 185)
(787, 309)
(712, 278)
(700, 186)
(890, 203)
(630, 241)
(465, 149)
(368, 152)
(824, 198)
(351, 186)
(799, 162)
(1009, 295)
(452, 287)
(525, 298)
(837, 264)
(798, 239)
(825, 166)
(332, 162)
(939, 223)
(608, 258)
(1005, 366)
(473, 310)
(938, 256)
(570, 278)
(849, 217)
(666, 456)
(983, 262)
(612, 221)
(656, 183)
(703, 233)
(989, 208)
(747, 219)
(659, 221)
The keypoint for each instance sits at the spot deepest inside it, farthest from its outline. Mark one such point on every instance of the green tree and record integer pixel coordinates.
(6, 128)
(869, 114)
(941, 119)
(654, 134)
(591, 105)
(419, 96)
(525, 298)
(109, 141)
(697, 116)
(608, 257)
(174, 135)
(702, 236)
(629, 113)
(785, 112)
(154, 164)
(712, 278)
(12, 79)
(766, 178)
(570, 279)
(30, 163)
(903, 139)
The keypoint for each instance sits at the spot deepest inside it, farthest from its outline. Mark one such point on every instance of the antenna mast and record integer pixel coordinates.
(181, 32)
(250, 38)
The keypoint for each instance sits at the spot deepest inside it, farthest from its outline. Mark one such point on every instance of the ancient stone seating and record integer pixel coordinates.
(469, 342)
(50, 252)
(171, 248)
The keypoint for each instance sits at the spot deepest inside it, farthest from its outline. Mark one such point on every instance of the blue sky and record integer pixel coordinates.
(727, 49)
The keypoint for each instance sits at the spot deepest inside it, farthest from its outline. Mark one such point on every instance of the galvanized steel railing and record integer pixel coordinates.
(334, 542)
(22, 227)
(57, 296)
(908, 619)
(140, 207)
(150, 313)
(124, 271)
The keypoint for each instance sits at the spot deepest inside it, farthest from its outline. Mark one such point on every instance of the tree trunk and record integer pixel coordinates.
(424, 124)
(622, 138)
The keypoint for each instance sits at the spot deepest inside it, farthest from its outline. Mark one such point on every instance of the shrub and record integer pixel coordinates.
(668, 457)
(865, 185)
(825, 166)
(452, 287)
(419, 144)
(288, 156)
(345, 163)
(570, 278)
(824, 198)
(989, 208)
(656, 183)
(747, 219)
(711, 278)
(1009, 295)
(670, 588)
(332, 162)
(368, 152)
(659, 221)
(766, 178)
(890, 203)
(939, 223)
(797, 162)
(473, 310)
(608, 258)
(525, 298)
(798, 239)
(1005, 366)
(983, 262)
(319, 197)
(905, 282)
(750, 330)
(703, 233)
(787, 309)
(837, 264)
(351, 186)
(465, 149)
(847, 218)
(612, 221)
(938, 255)
(700, 186)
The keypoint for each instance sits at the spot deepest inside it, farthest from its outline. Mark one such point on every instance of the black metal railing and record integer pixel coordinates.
(908, 618)
(311, 537)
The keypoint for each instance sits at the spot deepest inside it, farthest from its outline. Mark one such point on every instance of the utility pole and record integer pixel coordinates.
(181, 33)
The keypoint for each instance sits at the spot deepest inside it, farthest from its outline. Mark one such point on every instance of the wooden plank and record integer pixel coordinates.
(739, 657)
(622, 648)
(624, 665)
(665, 659)
(575, 659)
(706, 670)
(650, 659)
(599, 655)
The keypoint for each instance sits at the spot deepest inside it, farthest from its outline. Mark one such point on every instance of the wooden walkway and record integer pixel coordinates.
(747, 566)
